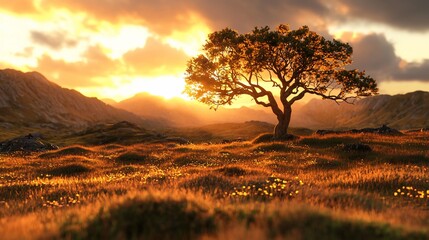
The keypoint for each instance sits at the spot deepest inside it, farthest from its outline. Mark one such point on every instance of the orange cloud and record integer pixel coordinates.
(18, 6)
(95, 64)
(96, 68)
(156, 58)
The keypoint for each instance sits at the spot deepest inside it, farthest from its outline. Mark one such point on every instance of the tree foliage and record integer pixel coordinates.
(276, 68)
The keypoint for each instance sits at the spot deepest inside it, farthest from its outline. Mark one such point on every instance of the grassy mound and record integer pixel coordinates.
(209, 184)
(69, 151)
(146, 218)
(188, 160)
(132, 158)
(272, 147)
(263, 138)
(232, 171)
(69, 170)
(315, 225)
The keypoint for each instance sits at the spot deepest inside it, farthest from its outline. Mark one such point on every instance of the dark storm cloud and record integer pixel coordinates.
(414, 71)
(409, 15)
(374, 54)
(245, 15)
(54, 40)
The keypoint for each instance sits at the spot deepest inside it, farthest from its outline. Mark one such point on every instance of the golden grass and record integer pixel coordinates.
(307, 188)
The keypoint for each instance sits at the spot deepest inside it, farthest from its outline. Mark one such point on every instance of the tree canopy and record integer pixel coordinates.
(276, 68)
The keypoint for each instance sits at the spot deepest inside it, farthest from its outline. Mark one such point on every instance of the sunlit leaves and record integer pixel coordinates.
(291, 61)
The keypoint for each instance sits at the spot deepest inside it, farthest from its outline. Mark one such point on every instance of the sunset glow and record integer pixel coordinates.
(115, 50)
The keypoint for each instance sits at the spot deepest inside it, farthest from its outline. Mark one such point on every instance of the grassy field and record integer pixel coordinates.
(315, 187)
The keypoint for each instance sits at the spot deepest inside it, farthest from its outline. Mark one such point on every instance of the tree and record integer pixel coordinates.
(276, 68)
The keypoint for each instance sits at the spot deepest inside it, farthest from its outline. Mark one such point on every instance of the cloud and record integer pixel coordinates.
(156, 58)
(409, 15)
(164, 16)
(18, 6)
(374, 54)
(96, 68)
(245, 15)
(414, 71)
(54, 40)
(95, 64)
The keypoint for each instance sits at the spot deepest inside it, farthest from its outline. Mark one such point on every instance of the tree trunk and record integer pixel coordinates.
(280, 131)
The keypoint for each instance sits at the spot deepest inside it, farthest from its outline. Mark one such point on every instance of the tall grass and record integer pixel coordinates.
(311, 188)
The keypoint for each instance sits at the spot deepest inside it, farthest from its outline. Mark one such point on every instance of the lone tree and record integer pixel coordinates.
(276, 68)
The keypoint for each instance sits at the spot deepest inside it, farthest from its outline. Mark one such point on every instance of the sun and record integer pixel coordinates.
(168, 86)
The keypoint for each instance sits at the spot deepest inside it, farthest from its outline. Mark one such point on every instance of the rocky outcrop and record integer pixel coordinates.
(28, 143)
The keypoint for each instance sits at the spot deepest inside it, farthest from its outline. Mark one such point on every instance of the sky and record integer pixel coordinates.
(116, 49)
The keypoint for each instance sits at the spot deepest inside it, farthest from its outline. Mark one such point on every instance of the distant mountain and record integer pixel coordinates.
(30, 100)
(182, 113)
(404, 111)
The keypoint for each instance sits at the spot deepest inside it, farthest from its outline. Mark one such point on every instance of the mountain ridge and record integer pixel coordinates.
(401, 111)
(30, 99)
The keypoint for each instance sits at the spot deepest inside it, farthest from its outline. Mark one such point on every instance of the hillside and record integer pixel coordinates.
(405, 111)
(30, 100)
